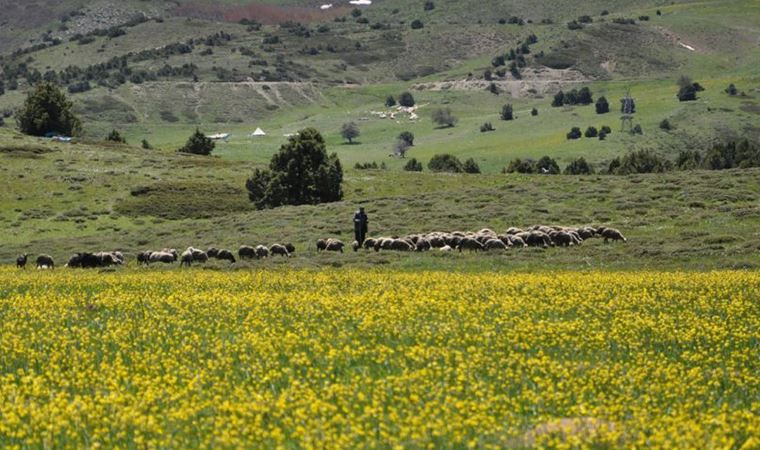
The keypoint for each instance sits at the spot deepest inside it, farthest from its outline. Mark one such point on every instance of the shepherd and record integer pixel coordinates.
(360, 226)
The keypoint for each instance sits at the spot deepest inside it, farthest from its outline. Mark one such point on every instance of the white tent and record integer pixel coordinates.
(258, 132)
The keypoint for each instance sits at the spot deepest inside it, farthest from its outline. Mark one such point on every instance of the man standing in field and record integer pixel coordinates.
(360, 226)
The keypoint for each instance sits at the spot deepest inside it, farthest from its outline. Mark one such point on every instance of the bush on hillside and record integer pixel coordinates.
(470, 166)
(591, 132)
(639, 161)
(575, 133)
(602, 106)
(407, 136)
(417, 24)
(115, 136)
(444, 118)
(665, 125)
(413, 165)
(445, 163)
(47, 110)
(146, 145)
(198, 144)
(390, 101)
(730, 90)
(350, 131)
(486, 127)
(534, 112)
(300, 173)
(579, 167)
(507, 113)
(406, 99)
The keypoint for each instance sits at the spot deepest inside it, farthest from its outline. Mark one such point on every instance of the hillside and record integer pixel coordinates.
(159, 70)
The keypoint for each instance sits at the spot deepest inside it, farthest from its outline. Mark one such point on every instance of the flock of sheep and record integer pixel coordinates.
(483, 240)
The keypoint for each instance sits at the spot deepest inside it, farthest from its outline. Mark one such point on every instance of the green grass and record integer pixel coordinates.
(62, 198)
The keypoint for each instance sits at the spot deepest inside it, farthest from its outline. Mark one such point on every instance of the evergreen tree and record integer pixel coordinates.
(350, 131)
(445, 163)
(115, 136)
(413, 165)
(602, 106)
(390, 101)
(470, 166)
(579, 167)
(300, 173)
(559, 99)
(47, 110)
(406, 99)
(198, 144)
(407, 137)
(506, 112)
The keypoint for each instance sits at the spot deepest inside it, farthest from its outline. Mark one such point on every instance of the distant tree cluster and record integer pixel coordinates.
(591, 132)
(574, 97)
(449, 163)
(413, 165)
(545, 165)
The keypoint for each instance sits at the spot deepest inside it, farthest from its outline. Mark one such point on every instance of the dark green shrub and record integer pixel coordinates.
(115, 136)
(507, 113)
(486, 127)
(417, 24)
(390, 101)
(444, 118)
(406, 99)
(198, 144)
(413, 165)
(579, 167)
(575, 133)
(642, 161)
(602, 106)
(407, 136)
(300, 173)
(665, 125)
(534, 112)
(445, 163)
(47, 110)
(470, 166)
(547, 165)
(591, 132)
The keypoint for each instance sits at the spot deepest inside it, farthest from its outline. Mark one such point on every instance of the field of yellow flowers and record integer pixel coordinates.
(381, 359)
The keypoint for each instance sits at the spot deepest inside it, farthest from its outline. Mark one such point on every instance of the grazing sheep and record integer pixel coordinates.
(514, 230)
(586, 232)
(212, 252)
(262, 252)
(290, 248)
(105, 259)
(86, 260)
(615, 235)
(143, 258)
(495, 244)
(334, 245)
(277, 249)
(186, 259)
(21, 261)
(445, 248)
(423, 245)
(225, 255)
(166, 257)
(45, 262)
(469, 244)
(246, 252)
(401, 245)
(321, 244)
(561, 238)
(536, 239)
(517, 241)
(436, 241)
(369, 243)
(198, 255)
(355, 246)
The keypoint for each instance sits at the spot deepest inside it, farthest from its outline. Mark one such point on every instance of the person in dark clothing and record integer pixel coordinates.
(360, 226)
